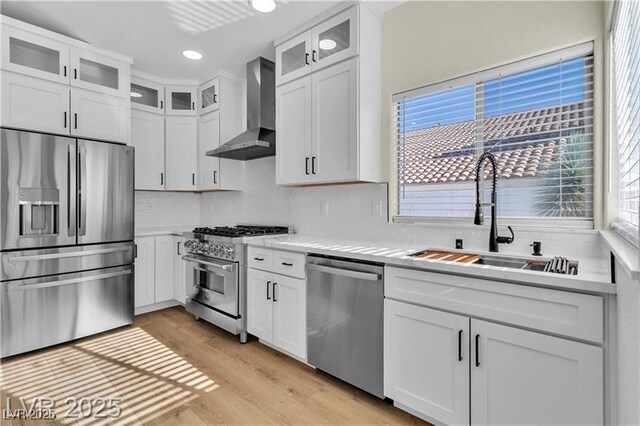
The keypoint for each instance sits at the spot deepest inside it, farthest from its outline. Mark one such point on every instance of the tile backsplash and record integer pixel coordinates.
(357, 211)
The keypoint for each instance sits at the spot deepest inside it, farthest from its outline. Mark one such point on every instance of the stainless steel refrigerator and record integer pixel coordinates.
(66, 239)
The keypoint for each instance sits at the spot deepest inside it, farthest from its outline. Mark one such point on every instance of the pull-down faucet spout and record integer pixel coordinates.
(478, 219)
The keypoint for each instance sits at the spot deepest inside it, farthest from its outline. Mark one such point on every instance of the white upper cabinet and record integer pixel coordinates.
(293, 58)
(147, 95)
(98, 116)
(181, 148)
(328, 122)
(209, 96)
(31, 54)
(34, 104)
(294, 130)
(93, 71)
(208, 138)
(335, 123)
(147, 136)
(335, 39)
(181, 100)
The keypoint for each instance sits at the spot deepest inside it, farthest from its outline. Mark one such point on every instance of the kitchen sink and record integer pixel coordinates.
(489, 260)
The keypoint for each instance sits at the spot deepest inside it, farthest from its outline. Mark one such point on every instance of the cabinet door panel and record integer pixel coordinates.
(290, 315)
(180, 100)
(99, 116)
(335, 39)
(526, 377)
(209, 96)
(147, 95)
(145, 271)
(34, 55)
(209, 138)
(293, 127)
(147, 136)
(260, 304)
(293, 58)
(181, 145)
(99, 73)
(32, 104)
(180, 270)
(335, 123)
(165, 268)
(426, 361)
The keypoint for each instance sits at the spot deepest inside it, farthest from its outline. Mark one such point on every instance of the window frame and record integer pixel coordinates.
(540, 60)
(632, 236)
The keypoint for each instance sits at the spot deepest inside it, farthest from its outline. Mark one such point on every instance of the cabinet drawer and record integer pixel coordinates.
(286, 263)
(570, 314)
(260, 258)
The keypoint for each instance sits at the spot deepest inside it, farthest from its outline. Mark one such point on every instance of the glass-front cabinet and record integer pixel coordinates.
(92, 71)
(31, 54)
(335, 39)
(209, 96)
(147, 95)
(293, 58)
(181, 100)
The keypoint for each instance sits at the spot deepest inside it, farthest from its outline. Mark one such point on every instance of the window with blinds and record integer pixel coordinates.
(535, 116)
(626, 73)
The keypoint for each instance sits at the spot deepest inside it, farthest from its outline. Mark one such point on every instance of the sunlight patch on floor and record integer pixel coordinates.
(149, 378)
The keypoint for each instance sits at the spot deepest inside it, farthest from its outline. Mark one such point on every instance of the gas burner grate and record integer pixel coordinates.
(242, 230)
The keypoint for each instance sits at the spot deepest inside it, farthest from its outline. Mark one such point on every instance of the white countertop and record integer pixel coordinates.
(163, 230)
(593, 273)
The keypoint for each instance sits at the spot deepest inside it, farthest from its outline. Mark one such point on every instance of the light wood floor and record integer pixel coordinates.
(169, 369)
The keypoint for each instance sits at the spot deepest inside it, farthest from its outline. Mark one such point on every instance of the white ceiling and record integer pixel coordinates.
(154, 33)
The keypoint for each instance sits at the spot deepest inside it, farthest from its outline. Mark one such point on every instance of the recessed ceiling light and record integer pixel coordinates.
(192, 54)
(136, 95)
(327, 44)
(263, 5)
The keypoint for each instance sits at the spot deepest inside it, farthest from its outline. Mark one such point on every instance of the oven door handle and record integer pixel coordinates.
(226, 268)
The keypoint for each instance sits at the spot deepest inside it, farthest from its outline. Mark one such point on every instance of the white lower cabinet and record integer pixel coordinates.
(165, 268)
(260, 304)
(145, 271)
(33, 104)
(519, 377)
(426, 355)
(453, 369)
(179, 277)
(276, 303)
(159, 271)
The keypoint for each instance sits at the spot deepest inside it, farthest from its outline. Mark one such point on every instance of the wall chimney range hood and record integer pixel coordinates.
(259, 140)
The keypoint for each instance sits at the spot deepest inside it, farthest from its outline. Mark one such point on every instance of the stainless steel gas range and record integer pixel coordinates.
(216, 273)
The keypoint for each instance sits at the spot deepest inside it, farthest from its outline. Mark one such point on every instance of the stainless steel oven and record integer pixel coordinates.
(214, 283)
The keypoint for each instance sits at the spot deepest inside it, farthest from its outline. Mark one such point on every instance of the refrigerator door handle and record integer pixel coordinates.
(82, 180)
(71, 190)
(24, 287)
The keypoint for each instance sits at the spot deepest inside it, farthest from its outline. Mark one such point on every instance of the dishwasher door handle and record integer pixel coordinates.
(369, 276)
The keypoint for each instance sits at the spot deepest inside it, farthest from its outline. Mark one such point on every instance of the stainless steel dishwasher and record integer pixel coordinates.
(345, 300)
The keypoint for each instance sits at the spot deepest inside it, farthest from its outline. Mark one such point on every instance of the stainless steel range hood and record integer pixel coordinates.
(259, 140)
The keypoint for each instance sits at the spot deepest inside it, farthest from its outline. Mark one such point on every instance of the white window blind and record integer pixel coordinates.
(535, 116)
(626, 73)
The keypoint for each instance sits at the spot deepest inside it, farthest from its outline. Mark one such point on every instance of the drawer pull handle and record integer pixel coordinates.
(259, 259)
(287, 264)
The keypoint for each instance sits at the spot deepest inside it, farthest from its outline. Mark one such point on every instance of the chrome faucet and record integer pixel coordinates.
(494, 239)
